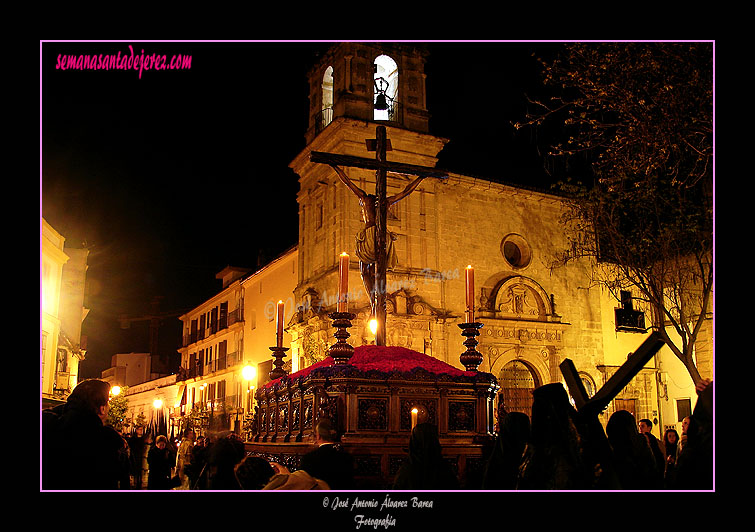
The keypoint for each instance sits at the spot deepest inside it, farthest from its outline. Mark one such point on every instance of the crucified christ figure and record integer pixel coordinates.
(365, 239)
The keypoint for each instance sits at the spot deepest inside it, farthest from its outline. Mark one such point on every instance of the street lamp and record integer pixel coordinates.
(115, 390)
(249, 373)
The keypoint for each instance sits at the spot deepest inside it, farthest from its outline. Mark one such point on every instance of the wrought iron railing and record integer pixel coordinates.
(234, 316)
(630, 320)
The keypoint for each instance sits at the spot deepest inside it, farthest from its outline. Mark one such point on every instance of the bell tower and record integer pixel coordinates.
(353, 88)
(371, 82)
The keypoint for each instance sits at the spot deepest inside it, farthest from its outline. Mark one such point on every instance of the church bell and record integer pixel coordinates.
(381, 100)
(381, 103)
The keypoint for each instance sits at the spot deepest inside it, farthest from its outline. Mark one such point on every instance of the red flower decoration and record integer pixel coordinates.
(389, 360)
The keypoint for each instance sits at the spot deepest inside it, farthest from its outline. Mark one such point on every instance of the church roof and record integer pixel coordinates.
(381, 362)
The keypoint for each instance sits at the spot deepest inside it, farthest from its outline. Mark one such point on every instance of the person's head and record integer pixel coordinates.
(690, 428)
(253, 473)
(92, 395)
(645, 426)
(552, 420)
(200, 441)
(189, 434)
(161, 442)
(515, 430)
(325, 432)
(424, 444)
(621, 430)
(670, 437)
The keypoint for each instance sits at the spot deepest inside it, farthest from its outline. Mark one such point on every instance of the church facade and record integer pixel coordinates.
(533, 316)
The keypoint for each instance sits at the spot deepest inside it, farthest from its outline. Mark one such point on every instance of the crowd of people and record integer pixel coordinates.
(556, 448)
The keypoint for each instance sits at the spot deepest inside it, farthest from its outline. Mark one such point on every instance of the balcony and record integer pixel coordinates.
(235, 316)
(219, 364)
(629, 320)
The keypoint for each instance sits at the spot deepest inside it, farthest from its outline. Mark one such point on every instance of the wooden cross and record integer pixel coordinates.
(380, 146)
(617, 382)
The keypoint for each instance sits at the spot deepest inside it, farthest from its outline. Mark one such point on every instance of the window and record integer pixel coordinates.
(628, 319)
(223, 315)
(683, 409)
(327, 97)
(516, 251)
(386, 82)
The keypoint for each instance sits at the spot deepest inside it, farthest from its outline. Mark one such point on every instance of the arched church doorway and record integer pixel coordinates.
(517, 380)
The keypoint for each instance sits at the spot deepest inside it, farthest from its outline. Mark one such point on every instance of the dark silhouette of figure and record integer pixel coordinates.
(160, 460)
(137, 444)
(633, 460)
(328, 462)
(224, 454)
(253, 473)
(694, 467)
(198, 471)
(502, 468)
(80, 452)
(425, 468)
(553, 457)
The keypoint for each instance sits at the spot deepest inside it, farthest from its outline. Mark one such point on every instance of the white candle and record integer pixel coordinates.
(414, 417)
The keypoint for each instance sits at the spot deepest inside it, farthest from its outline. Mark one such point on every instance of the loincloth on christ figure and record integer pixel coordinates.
(365, 247)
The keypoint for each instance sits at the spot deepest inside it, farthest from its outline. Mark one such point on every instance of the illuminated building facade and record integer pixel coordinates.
(63, 279)
(533, 317)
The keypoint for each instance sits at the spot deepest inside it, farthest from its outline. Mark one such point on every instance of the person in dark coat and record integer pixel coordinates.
(645, 427)
(553, 458)
(694, 467)
(161, 461)
(79, 452)
(327, 462)
(502, 468)
(425, 468)
(198, 472)
(633, 460)
(137, 453)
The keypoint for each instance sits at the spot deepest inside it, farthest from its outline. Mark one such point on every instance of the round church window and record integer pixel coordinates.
(516, 251)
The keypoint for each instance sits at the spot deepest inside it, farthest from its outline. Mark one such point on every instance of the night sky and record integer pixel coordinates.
(171, 177)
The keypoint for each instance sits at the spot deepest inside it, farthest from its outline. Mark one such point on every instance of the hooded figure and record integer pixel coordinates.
(553, 456)
(425, 468)
(633, 461)
(694, 467)
(502, 467)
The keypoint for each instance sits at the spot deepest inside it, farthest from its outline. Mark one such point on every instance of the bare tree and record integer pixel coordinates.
(641, 115)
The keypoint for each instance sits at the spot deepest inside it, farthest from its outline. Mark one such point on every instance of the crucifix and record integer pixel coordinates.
(373, 267)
